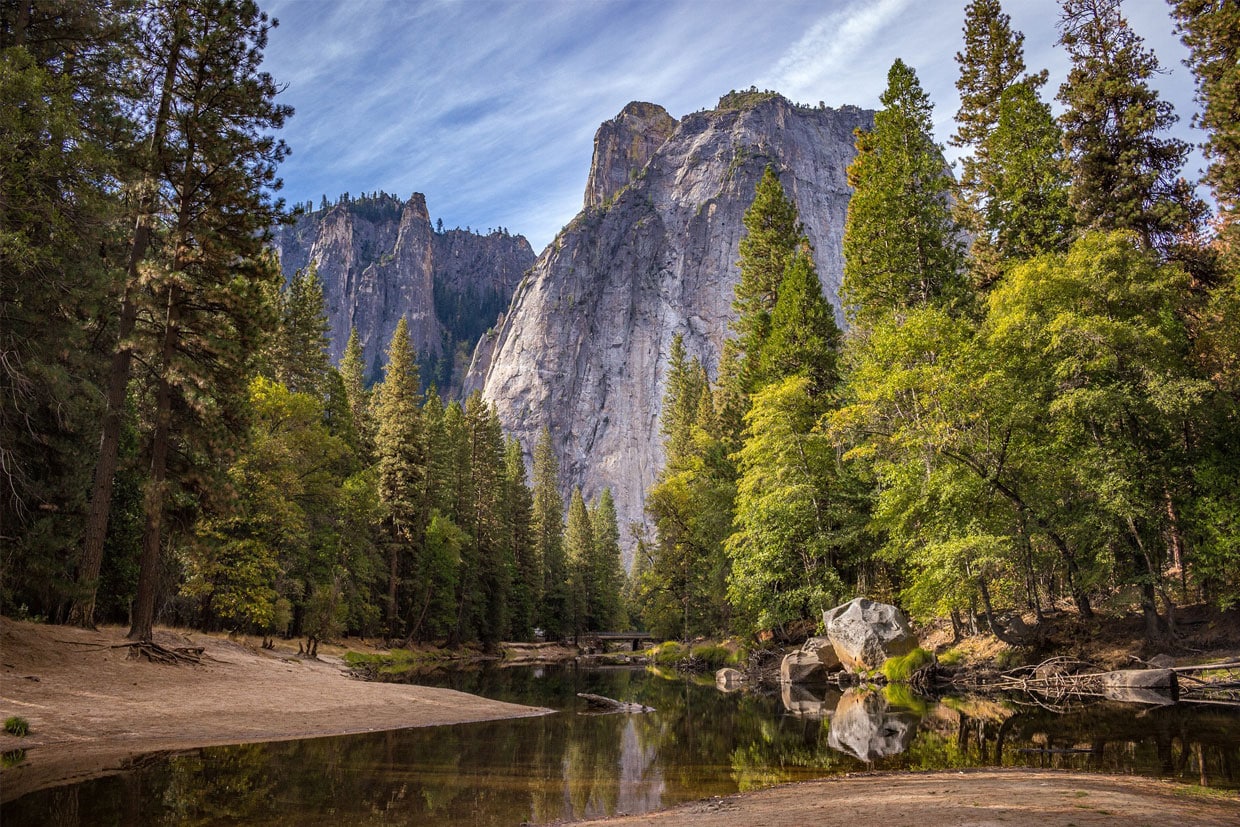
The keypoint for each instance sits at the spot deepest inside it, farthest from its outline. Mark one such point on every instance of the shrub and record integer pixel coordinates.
(900, 669)
(952, 657)
(17, 726)
(667, 653)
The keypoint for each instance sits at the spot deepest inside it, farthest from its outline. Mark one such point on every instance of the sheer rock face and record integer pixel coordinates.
(380, 259)
(622, 146)
(583, 348)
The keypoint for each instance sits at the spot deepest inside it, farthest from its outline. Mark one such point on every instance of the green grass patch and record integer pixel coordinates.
(900, 669)
(952, 657)
(1198, 791)
(17, 726)
(12, 758)
(719, 655)
(667, 653)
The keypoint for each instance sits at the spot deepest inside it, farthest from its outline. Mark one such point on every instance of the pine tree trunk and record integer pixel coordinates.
(153, 502)
(82, 613)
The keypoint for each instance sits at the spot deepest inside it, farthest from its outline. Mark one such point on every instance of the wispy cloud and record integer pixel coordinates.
(831, 46)
(489, 106)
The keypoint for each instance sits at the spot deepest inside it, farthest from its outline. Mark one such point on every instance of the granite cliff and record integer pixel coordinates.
(380, 258)
(583, 347)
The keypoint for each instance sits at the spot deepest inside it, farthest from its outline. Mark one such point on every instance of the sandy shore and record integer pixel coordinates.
(948, 799)
(90, 707)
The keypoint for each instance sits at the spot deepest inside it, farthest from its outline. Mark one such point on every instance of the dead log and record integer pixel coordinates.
(612, 705)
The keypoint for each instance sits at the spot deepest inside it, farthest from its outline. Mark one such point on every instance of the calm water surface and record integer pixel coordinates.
(571, 765)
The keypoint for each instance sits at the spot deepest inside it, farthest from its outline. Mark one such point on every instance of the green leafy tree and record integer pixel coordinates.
(299, 352)
(57, 201)
(203, 188)
(495, 554)
(353, 376)
(1125, 170)
(901, 244)
(680, 588)
(784, 551)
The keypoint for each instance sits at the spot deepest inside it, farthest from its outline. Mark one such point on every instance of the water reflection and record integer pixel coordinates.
(865, 725)
(699, 743)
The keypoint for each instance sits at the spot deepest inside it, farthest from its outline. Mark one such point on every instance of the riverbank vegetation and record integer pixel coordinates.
(1035, 401)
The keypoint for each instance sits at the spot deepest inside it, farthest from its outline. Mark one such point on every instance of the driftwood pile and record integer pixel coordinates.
(1062, 679)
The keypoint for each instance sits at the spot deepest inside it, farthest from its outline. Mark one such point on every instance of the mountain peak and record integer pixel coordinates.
(622, 146)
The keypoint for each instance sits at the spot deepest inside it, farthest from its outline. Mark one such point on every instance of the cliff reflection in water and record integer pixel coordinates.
(569, 765)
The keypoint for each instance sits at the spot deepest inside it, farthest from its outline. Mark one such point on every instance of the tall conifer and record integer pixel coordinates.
(401, 454)
(1126, 170)
(901, 244)
(549, 539)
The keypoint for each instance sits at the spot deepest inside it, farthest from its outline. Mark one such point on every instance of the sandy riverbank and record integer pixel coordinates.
(91, 707)
(948, 799)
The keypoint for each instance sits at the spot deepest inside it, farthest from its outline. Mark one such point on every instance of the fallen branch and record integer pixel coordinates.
(611, 705)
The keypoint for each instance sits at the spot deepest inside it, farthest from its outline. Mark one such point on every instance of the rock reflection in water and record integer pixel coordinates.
(867, 727)
(806, 702)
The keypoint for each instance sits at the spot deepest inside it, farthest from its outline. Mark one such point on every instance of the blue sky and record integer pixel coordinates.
(489, 107)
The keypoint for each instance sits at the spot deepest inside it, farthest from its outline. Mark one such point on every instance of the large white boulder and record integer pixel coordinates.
(865, 633)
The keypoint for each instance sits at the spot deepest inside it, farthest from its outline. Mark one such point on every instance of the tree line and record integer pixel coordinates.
(1036, 397)
(174, 441)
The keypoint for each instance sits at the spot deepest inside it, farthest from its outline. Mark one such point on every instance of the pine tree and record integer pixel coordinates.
(209, 319)
(353, 374)
(773, 233)
(206, 177)
(579, 554)
(1211, 31)
(901, 244)
(804, 337)
(300, 358)
(495, 554)
(992, 61)
(1028, 210)
(1125, 172)
(401, 453)
(59, 130)
(553, 614)
(680, 399)
(518, 522)
(607, 575)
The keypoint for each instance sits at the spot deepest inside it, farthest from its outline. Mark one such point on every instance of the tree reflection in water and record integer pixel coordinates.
(698, 743)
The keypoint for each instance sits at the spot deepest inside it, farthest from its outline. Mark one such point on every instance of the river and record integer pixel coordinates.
(697, 743)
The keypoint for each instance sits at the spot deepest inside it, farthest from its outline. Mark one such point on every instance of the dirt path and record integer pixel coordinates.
(947, 799)
(90, 707)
